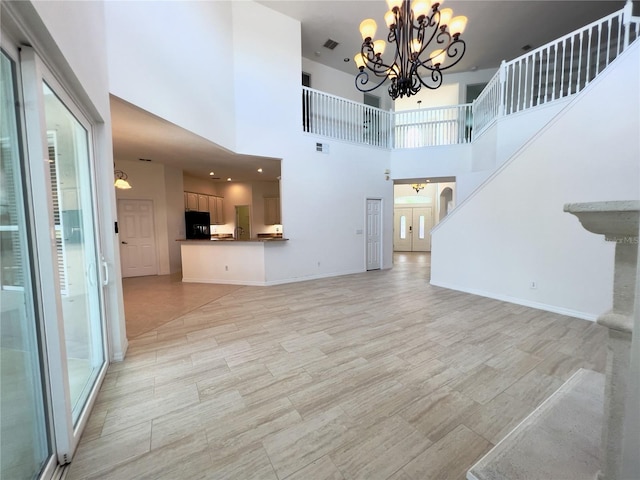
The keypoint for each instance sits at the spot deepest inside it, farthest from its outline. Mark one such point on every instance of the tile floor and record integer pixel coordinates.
(371, 376)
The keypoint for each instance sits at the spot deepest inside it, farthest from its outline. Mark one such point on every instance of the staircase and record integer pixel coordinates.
(556, 70)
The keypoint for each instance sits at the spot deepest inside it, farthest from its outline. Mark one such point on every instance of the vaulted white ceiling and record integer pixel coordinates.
(497, 30)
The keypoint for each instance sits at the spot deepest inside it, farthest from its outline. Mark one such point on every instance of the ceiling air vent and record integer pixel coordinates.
(330, 44)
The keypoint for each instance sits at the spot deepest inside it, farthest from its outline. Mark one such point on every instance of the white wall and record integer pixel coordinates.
(463, 79)
(341, 84)
(268, 94)
(445, 161)
(514, 130)
(514, 231)
(173, 59)
(323, 199)
(444, 96)
(320, 193)
(330, 80)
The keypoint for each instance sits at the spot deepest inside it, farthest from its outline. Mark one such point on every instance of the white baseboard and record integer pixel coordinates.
(520, 301)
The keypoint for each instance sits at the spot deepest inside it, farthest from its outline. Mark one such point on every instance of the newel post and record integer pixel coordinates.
(503, 93)
(619, 223)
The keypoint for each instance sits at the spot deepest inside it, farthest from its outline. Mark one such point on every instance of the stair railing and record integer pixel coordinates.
(331, 116)
(429, 127)
(488, 105)
(551, 72)
(565, 66)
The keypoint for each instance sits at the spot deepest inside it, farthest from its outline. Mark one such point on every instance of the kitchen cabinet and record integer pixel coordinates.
(203, 203)
(200, 202)
(191, 202)
(216, 210)
(272, 211)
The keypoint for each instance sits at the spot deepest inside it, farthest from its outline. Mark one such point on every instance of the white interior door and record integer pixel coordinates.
(137, 238)
(374, 234)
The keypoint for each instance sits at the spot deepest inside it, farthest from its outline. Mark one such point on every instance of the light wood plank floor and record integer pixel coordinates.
(370, 376)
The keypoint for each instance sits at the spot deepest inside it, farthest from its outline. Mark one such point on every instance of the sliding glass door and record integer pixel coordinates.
(70, 194)
(25, 445)
(52, 330)
(67, 240)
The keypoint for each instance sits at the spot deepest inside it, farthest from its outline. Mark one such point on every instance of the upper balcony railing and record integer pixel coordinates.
(551, 72)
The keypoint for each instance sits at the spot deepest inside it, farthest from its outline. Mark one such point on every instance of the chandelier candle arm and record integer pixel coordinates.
(415, 28)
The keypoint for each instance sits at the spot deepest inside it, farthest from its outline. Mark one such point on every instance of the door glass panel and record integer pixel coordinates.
(403, 227)
(23, 423)
(421, 228)
(71, 195)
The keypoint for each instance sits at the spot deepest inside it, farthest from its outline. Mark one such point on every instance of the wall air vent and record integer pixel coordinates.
(322, 148)
(330, 44)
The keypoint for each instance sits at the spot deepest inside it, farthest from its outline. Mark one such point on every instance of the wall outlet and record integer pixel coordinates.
(533, 284)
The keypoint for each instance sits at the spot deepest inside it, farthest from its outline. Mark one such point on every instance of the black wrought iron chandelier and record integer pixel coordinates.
(427, 42)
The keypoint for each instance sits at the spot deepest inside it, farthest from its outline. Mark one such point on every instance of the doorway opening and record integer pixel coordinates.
(243, 222)
(419, 205)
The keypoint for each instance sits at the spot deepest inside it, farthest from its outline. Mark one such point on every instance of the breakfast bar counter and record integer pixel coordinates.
(227, 260)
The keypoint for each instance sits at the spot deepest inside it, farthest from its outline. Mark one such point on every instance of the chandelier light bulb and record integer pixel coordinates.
(438, 57)
(394, 4)
(368, 29)
(457, 25)
(416, 46)
(420, 8)
(445, 16)
(359, 59)
(379, 46)
(390, 19)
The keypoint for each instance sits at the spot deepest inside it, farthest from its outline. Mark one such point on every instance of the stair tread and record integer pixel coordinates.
(560, 439)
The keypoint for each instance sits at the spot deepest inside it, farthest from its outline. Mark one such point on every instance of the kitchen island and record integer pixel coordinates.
(228, 261)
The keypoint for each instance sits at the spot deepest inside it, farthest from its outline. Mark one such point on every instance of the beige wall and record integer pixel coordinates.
(163, 186)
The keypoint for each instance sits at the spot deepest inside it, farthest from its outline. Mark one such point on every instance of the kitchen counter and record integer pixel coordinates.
(233, 240)
(231, 261)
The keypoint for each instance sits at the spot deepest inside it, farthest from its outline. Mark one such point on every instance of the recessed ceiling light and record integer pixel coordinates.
(229, 179)
(211, 174)
(259, 170)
